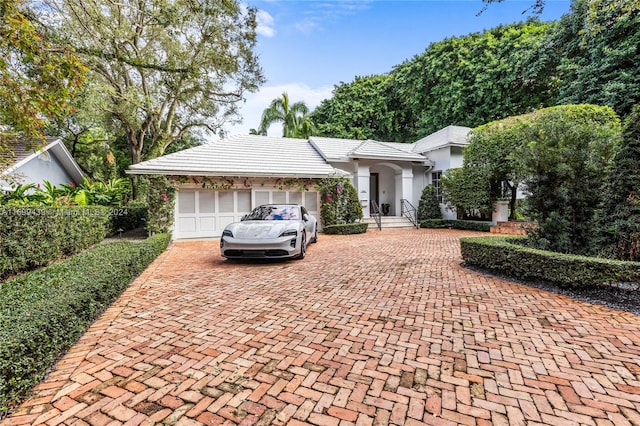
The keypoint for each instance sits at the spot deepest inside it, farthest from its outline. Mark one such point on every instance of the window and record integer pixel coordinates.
(435, 181)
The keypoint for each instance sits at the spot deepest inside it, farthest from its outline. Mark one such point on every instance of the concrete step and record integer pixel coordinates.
(390, 222)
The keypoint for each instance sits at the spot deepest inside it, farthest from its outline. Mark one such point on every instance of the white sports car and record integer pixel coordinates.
(270, 231)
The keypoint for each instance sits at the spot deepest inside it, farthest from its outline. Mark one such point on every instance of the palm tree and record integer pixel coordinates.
(294, 118)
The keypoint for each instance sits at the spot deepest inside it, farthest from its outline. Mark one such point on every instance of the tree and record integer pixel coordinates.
(38, 77)
(567, 150)
(598, 43)
(618, 218)
(295, 119)
(476, 79)
(429, 207)
(361, 109)
(167, 68)
(469, 196)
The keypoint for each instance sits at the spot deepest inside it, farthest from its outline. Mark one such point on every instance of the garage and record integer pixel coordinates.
(202, 213)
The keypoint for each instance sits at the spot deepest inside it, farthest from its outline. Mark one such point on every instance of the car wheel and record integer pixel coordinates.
(315, 235)
(303, 246)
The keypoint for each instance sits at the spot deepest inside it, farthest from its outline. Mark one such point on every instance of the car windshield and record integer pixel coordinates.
(274, 213)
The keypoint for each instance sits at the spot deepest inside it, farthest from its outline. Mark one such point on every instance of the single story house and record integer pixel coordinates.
(221, 181)
(30, 162)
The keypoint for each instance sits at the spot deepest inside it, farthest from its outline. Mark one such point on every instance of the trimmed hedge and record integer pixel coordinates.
(508, 256)
(34, 236)
(467, 225)
(44, 312)
(346, 228)
(129, 217)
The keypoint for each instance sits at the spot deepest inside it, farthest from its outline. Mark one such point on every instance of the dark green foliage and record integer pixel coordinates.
(133, 215)
(346, 229)
(477, 78)
(159, 194)
(508, 256)
(362, 109)
(429, 207)
(340, 203)
(567, 150)
(600, 58)
(44, 312)
(467, 225)
(34, 236)
(618, 219)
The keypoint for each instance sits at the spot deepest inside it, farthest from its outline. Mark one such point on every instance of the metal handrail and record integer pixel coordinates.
(376, 214)
(409, 211)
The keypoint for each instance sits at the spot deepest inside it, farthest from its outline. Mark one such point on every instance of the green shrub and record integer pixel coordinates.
(467, 225)
(159, 194)
(429, 207)
(133, 215)
(509, 256)
(340, 203)
(346, 228)
(34, 236)
(42, 313)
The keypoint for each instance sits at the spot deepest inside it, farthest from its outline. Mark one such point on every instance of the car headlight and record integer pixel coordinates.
(227, 233)
(289, 233)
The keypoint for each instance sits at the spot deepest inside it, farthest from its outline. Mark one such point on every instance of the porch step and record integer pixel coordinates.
(511, 228)
(389, 222)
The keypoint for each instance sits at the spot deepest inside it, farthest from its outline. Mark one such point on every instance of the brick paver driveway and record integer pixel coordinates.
(381, 328)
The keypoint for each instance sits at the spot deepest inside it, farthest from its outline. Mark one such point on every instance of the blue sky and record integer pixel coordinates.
(308, 46)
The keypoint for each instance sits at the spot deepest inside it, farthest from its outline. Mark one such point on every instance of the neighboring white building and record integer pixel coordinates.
(52, 163)
(221, 181)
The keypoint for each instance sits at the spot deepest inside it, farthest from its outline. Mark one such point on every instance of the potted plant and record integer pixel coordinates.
(385, 208)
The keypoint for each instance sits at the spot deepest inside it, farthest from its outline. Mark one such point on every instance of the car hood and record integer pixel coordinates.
(261, 229)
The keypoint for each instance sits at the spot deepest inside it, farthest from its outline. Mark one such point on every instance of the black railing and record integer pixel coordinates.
(376, 214)
(409, 211)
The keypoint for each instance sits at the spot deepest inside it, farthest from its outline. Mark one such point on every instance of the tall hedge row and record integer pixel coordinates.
(508, 256)
(32, 237)
(44, 312)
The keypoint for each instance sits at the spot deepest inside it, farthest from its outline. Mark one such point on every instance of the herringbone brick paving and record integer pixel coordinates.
(373, 329)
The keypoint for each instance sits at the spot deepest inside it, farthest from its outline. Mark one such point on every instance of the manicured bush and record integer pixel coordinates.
(429, 207)
(346, 228)
(340, 203)
(509, 256)
(467, 225)
(34, 236)
(42, 313)
(133, 215)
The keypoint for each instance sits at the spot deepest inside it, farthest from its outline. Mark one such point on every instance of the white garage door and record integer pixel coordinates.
(205, 213)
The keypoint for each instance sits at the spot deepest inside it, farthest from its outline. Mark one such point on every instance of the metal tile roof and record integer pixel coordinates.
(333, 149)
(243, 155)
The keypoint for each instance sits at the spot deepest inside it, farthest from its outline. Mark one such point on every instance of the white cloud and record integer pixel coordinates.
(329, 11)
(265, 24)
(251, 111)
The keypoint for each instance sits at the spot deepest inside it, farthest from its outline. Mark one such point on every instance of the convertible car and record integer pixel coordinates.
(270, 231)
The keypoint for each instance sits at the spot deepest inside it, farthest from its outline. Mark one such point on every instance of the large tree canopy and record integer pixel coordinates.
(167, 67)
(37, 77)
(358, 110)
(466, 81)
(476, 79)
(599, 46)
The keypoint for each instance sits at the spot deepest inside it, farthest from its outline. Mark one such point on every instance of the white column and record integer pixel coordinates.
(361, 179)
(404, 188)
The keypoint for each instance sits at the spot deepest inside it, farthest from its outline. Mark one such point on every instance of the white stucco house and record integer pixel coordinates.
(32, 163)
(221, 181)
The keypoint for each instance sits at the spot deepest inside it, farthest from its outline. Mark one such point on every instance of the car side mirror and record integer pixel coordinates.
(305, 217)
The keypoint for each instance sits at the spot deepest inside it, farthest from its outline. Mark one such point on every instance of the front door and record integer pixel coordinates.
(374, 179)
